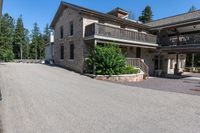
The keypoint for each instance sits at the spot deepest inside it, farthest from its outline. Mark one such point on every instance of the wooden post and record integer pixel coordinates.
(94, 54)
(159, 61)
(159, 37)
(176, 70)
(192, 60)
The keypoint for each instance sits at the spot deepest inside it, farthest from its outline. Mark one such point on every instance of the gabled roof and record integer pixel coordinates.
(175, 20)
(64, 5)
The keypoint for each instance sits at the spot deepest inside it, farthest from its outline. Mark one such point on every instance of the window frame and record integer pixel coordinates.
(71, 27)
(71, 51)
(61, 32)
(62, 52)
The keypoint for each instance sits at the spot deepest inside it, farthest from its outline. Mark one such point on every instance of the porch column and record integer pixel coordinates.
(192, 60)
(94, 54)
(159, 66)
(176, 69)
(159, 60)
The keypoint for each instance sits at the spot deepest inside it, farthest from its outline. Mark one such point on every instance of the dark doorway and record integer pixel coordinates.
(138, 52)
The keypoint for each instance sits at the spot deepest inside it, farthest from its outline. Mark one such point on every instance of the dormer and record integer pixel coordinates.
(118, 12)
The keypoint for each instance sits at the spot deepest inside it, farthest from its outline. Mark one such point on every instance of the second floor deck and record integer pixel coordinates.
(189, 42)
(102, 31)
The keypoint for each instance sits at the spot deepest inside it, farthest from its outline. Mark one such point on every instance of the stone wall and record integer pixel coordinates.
(68, 16)
(171, 58)
(122, 78)
(148, 55)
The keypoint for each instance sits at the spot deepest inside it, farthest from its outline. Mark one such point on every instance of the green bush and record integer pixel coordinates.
(109, 60)
(6, 55)
(130, 70)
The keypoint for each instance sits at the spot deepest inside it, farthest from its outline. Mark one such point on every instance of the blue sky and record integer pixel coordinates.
(43, 11)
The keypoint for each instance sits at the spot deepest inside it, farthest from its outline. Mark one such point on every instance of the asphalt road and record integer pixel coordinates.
(44, 99)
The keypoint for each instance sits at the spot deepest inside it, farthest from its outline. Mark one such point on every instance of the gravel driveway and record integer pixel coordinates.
(44, 99)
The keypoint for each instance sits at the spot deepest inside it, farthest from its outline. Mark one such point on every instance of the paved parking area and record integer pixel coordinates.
(188, 85)
(44, 99)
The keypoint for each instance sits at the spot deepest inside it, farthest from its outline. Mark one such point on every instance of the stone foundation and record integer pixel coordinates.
(122, 78)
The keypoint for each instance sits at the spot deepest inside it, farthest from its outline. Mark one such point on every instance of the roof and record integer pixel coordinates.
(177, 19)
(64, 5)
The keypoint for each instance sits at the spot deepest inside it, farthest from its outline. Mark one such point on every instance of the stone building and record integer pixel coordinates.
(77, 30)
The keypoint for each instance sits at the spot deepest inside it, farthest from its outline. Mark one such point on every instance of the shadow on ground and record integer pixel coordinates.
(1, 127)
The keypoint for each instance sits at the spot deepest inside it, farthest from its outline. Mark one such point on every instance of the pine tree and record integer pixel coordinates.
(41, 47)
(6, 37)
(27, 42)
(146, 15)
(34, 42)
(192, 9)
(19, 39)
(46, 34)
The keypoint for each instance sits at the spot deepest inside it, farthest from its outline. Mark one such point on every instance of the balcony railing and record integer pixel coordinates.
(182, 40)
(118, 33)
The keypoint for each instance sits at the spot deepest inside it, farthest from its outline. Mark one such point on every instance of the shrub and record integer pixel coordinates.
(109, 60)
(6, 55)
(130, 70)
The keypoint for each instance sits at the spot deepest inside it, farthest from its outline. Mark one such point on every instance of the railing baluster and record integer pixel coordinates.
(114, 32)
(137, 62)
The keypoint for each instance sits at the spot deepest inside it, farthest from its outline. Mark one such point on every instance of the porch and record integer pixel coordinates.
(138, 47)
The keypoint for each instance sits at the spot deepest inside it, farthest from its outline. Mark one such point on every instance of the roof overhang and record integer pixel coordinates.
(177, 24)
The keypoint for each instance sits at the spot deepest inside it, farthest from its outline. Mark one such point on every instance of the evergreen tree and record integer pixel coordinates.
(19, 39)
(41, 47)
(192, 9)
(34, 43)
(146, 15)
(27, 42)
(46, 34)
(6, 37)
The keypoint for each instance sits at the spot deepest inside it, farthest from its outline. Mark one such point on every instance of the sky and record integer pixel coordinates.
(43, 11)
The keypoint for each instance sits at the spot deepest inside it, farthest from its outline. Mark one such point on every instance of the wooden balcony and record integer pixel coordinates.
(101, 30)
(182, 43)
(186, 39)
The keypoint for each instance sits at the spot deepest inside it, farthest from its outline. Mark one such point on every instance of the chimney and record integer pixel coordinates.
(51, 37)
(118, 12)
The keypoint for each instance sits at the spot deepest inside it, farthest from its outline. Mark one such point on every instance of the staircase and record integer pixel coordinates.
(139, 63)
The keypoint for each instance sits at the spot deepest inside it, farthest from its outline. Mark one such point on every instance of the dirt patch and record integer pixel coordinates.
(197, 90)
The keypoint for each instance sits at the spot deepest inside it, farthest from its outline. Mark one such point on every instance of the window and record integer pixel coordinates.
(71, 28)
(71, 51)
(62, 52)
(61, 32)
(138, 52)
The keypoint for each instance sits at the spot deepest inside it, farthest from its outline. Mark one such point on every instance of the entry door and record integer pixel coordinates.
(157, 62)
(138, 52)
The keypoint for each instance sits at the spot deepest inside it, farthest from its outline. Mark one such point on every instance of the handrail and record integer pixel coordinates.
(137, 62)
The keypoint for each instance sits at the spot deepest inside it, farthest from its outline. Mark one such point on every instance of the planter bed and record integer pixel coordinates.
(120, 78)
